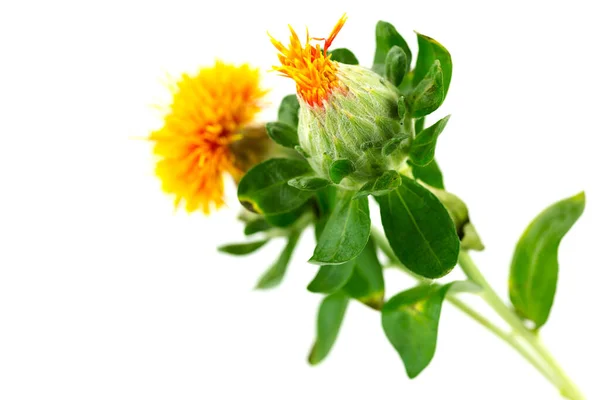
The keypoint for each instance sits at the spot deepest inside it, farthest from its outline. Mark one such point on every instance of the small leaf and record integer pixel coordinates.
(422, 150)
(429, 94)
(366, 283)
(302, 152)
(344, 56)
(431, 174)
(401, 108)
(329, 321)
(274, 275)
(331, 278)
(419, 230)
(396, 65)
(286, 219)
(255, 226)
(429, 51)
(534, 268)
(381, 185)
(394, 144)
(288, 110)
(469, 239)
(241, 249)
(386, 37)
(265, 190)
(410, 321)
(283, 134)
(419, 124)
(346, 232)
(340, 169)
(309, 183)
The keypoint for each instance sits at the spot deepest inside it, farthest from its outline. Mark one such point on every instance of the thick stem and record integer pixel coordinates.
(560, 379)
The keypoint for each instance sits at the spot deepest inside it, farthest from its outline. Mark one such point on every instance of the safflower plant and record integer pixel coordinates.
(356, 133)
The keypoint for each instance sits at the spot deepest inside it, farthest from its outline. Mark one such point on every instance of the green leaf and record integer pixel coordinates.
(366, 283)
(331, 278)
(344, 56)
(325, 204)
(283, 134)
(410, 321)
(386, 37)
(402, 108)
(430, 174)
(394, 144)
(429, 51)
(274, 275)
(469, 239)
(329, 320)
(340, 169)
(265, 190)
(241, 249)
(256, 225)
(346, 232)
(288, 110)
(286, 219)
(309, 183)
(534, 268)
(429, 94)
(419, 230)
(396, 65)
(422, 150)
(419, 124)
(381, 185)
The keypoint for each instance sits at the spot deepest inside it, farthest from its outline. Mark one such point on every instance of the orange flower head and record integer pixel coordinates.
(310, 67)
(208, 115)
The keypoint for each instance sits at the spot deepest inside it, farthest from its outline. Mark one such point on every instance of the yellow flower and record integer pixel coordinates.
(209, 117)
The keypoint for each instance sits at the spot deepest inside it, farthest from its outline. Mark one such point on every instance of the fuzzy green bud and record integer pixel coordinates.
(355, 123)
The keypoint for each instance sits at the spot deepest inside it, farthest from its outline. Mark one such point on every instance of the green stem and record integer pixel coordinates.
(544, 362)
(559, 377)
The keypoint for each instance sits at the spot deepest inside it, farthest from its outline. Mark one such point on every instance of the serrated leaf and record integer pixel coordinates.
(396, 65)
(339, 169)
(331, 278)
(274, 275)
(410, 321)
(329, 321)
(431, 174)
(366, 283)
(429, 51)
(386, 37)
(429, 94)
(419, 230)
(309, 183)
(241, 249)
(344, 56)
(422, 150)
(534, 268)
(288, 110)
(265, 190)
(381, 185)
(283, 134)
(346, 232)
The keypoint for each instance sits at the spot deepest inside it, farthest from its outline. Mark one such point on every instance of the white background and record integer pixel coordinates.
(106, 293)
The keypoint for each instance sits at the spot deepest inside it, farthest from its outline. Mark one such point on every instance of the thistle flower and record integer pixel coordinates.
(208, 133)
(347, 112)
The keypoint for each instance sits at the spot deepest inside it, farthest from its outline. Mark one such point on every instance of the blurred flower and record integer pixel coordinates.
(207, 134)
(346, 111)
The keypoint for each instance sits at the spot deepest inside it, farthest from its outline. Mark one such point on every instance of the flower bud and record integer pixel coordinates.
(347, 112)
